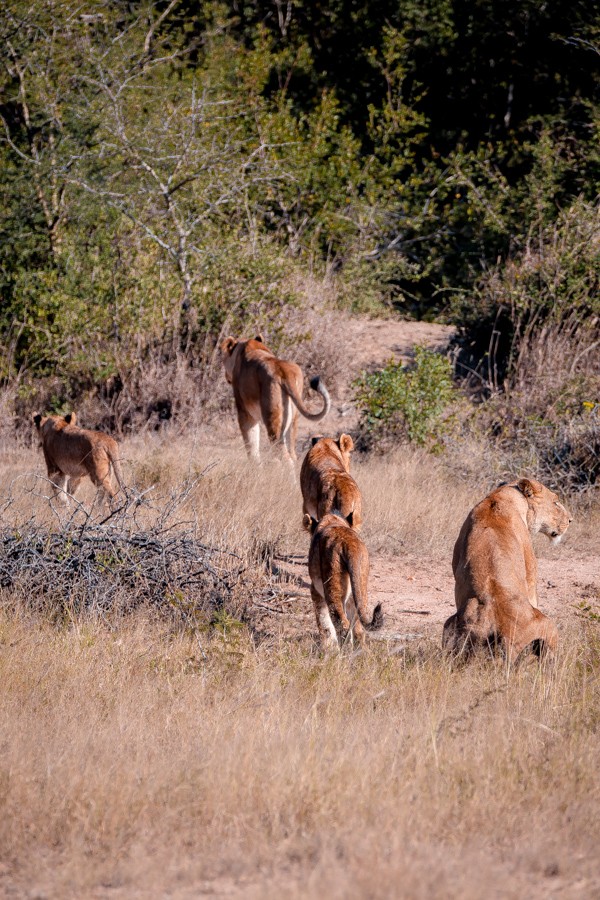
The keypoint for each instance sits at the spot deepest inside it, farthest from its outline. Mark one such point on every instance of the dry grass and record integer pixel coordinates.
(414, 503)
(143, 762)
(139, 759)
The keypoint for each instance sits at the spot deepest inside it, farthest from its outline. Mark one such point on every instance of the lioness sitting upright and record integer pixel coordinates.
(338, 565)
(326, 483)
(268, 389)
(495, 570)
(71, 453)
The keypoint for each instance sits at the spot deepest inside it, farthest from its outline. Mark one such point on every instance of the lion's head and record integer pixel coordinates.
(545, 511)
(344, 444)
(227, 348)
(59, 421)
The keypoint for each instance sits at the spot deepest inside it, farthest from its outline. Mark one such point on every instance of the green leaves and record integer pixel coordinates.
(406, 403)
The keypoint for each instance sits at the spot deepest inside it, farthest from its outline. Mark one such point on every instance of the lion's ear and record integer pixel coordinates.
(526, 487)
(315, 440)
(259, 338)
(308, 523)
(71, 418)
(37, 419)
(227, 345)
(345, 443)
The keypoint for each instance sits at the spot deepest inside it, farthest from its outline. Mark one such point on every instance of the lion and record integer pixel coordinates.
(495, 571)
(72, 453)
(326, 483)
(268, 389)
(338, 565)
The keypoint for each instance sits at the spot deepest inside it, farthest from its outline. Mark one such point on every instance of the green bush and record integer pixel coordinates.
(406, 403)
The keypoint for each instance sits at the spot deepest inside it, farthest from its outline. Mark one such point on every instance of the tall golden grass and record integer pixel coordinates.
(414, 502)
(143, 760)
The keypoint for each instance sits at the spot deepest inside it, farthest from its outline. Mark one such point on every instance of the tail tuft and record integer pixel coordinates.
(318, 386)
(377, 620)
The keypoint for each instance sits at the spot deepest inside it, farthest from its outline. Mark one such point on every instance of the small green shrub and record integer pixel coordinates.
(406, 403)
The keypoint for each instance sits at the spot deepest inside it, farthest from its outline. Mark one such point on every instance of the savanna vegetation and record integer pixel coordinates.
(172, 172)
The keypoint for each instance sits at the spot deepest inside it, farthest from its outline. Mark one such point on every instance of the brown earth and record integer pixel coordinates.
(418, 596)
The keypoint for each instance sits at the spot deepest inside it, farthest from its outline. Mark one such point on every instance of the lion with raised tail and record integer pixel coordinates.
(495, 571)
(269, 390)
(338, 565)
(73, 453)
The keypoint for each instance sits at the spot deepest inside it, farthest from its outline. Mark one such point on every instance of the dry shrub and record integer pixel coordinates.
(556, 359)
(553, 437)
(531, 332)
(146, 761)
(7, 419)
(160, 383)
(109, 565)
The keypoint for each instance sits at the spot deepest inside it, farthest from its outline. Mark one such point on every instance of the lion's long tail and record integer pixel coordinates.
(360, 598)
(318, 386)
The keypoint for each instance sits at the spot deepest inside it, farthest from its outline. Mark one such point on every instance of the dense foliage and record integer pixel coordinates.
(168, 169)
(409, 403)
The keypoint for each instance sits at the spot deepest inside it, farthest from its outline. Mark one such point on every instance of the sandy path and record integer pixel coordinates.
(418, 597)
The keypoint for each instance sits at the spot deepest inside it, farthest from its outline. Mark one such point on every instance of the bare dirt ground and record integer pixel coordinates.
(417, 595)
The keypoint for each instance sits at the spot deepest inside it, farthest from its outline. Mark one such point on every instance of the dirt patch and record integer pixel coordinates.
(371, 344)
(418, 597)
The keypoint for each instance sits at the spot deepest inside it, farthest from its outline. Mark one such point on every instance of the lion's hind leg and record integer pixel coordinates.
(336, 589)
(456, 639)
(290, 428)
(357, 597)
(59, 486)
(357, 630)
(99, 470)
(539, 631)
(277, 415)
(250, 430)
(73, 484)
(326, 627)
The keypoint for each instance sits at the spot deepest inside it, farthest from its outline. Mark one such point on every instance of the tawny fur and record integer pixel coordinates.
(495, 570)
(338, 565)
(72, 453)
(269, 390)
(326, 483)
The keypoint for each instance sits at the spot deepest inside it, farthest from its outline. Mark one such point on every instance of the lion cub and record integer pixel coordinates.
(495, 570)
(326, 483)
(72, 453)
(338, 565)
